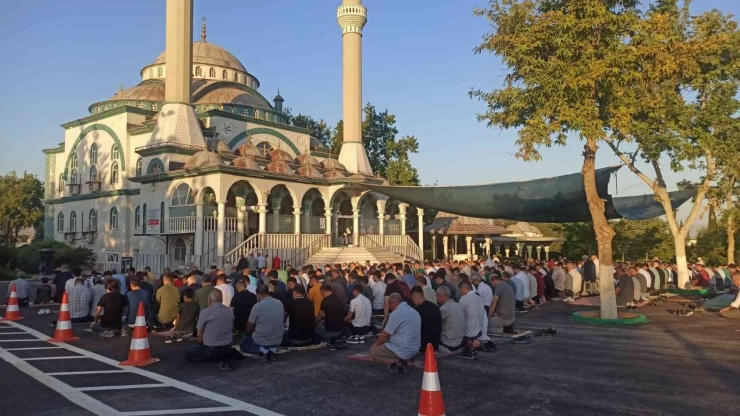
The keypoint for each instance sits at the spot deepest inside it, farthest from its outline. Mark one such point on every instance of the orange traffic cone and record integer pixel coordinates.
(12, 312)
(139, 354)
(430, 403)
(64, 330)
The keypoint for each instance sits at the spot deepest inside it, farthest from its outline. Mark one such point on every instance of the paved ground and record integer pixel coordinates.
(673, 365)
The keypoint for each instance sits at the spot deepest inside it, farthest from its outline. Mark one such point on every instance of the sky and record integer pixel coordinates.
(58, 57)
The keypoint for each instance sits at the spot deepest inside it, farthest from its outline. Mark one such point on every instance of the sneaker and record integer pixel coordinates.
(489, 346)
(227, 366)
(332, 346)
(168, 340)
(521, 311)
(522, 340)
(405, 367)
(177, 338)
(467, 354)
(108, 334)
(552, 332)
(544, 333)
(354, 339)
(361, 339)
(393, 368)
(270, 356)
(42, 312)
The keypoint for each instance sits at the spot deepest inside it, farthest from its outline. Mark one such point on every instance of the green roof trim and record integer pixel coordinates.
(261, 130)
(110, 113)
(87, 130)
(53, 151)
(96, 195)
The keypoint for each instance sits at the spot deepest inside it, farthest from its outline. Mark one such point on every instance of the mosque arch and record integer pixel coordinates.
(87, 130)
(155, 166)
(263, 130)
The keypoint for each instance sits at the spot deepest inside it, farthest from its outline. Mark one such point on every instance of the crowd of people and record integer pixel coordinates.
(452, 305)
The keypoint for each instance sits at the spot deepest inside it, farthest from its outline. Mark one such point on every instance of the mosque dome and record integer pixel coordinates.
(280, 155)
(202, 159)
(280, 167)
(333, 164)
(209, 54)
(524, 229)
(149, 90)
(306, 159)
(227, 92)
(248, 150)
(217, 145)
(309, 171)
(247, 163)
(334, 174)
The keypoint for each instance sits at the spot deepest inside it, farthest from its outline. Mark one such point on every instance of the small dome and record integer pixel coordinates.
(247, 163)
(149, 90)
(280, 155)
(217, 145)
(334, 174)
(278, 97)
(306, 159)
(202, 159)
(280, 167)
(248, 150)
(333, 164)
(309, 172)
(209, 54)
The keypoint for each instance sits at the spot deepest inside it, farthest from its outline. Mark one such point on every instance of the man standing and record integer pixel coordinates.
(453, 321)
(503, 310)
(559, 279)
(590, 272)
(264, 330)
(431, 319)
(401, 338)
(215, 326)
(573, 281)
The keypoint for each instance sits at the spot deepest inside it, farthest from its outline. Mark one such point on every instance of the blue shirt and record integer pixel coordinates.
(409, 279)
(122, 280)
(404, 326)
(134, 297)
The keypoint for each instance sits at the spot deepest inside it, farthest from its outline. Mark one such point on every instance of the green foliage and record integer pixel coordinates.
(27, 257)
(7, 256)
(21, 205)
(711, 246)
(321, 130)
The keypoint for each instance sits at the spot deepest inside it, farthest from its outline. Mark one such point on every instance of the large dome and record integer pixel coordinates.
(209, 54)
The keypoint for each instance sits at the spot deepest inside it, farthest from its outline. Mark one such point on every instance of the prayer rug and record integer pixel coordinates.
(719, 303)
(418, 362)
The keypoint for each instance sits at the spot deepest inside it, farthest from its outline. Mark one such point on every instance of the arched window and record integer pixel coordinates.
(73, 221)
(154, 107)
(159, 72)
(74, 161)
(93, 174)
(265, 148)
(198, 71)
(60, 222)
(61, 184)
(73, 177)
(139, 167)
(137, 218)
(139, 105)
(236, 77)
(93, 154)
(115, 153)
(161, 217)
(151, 73)
(155, 166)
(256, 113)
(212, 73)
(182, 196)
(93, 221)
(113, 218)
(180, 250)
(114, 173)
(225, 75)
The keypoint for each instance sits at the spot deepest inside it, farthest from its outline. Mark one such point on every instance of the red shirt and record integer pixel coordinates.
(540, 284)
(276, 263)
(703, 278)
(177, 282)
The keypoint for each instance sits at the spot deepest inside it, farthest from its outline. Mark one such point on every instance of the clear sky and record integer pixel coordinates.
(58, 57)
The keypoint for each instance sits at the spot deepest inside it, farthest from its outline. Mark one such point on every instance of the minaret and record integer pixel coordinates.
(352, 16)
(177, 121)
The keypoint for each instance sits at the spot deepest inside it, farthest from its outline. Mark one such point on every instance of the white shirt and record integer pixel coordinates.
(252, 288)
(486, 294)
(473, 308)
(558, 277)
(227, 291)
(490, 263)
(522, 285)
(362, 310)
(736, 303)
(70, 284)
(21, 288)
(577, 280)
(648, 278)
(379, 295)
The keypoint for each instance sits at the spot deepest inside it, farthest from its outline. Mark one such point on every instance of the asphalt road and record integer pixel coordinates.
(673, 365)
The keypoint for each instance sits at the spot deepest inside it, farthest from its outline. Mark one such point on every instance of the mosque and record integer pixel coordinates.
(194, 166)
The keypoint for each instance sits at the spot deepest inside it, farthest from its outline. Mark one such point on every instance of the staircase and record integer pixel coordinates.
(334, 255)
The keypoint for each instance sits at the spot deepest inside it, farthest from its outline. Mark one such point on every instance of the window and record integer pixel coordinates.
(93, 154)
(60, 222)
(137, 218)
(115, 153)
(74, 161)
(73, 177)
(212, 73)
(256, 113)
(93, 174)
(161, 217)
(236, 77)
(159, 72)
(114, 174)
(61, 184)
(154, 107)
(139, 105)
(139, 167)
(182, 196)
(180, 250)
(151, 73)
(264, 148)
(225, 75)
(113, 218)
(155, 166)
(198, 71)
(112, 257)
(93, 220)
(73, 221)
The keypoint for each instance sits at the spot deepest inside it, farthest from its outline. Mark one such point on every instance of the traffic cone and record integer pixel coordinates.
(430, 403)
(139, 354)
(64, 330)
(12, 312)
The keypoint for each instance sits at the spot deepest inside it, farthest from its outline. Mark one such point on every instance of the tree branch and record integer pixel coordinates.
(630, 164)
(701, 192)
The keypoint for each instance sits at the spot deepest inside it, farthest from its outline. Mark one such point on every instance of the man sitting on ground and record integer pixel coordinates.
(431, 319)
(21, 289)
(378, 292)
(314, 294)
(168, 297)
(242, 304)
(400, 341)
(264, 330)
(358, 317)
(109, 311)
(559, 278)
(301, 319)
(215, 325)
(201, 295)
(134, 297)
(79, 301)
(733, 311)
(429, 293)
(185, 323)
(625, 290)
(632, 271)
(503, 310)
(226, 289)
(573, 282)
(473, 308)
(332, 311)
(701, 279)
(453, 321)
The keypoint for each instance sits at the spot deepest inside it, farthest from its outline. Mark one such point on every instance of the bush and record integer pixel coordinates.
(7, 257)
(6, 275)
(82, 257)
(27, 257)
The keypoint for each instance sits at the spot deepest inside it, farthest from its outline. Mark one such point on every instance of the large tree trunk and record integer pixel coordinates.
(730, 229)
(604, 232)
(684, 280)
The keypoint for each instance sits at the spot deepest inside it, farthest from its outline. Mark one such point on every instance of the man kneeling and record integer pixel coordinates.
(401, 339)
(264, 330)
(215, 334)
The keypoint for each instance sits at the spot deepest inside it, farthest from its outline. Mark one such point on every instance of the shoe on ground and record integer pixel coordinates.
(404, 368)
(489, 346)
(177, 338)
(521, 311)
(393, 368)
(227, 366)
(467, 354)
(354, 339)
(108, 334)
(168, 340)
(269, 357)
(332, 346)
(522, 340)
(544, 333)
(552, 332)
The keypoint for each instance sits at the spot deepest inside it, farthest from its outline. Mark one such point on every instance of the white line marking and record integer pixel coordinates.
(32, 348)
(228, 401)
(74, 373)
(75, 396)
(181, 411)
(12, 333)
(131, 386)
(22, 340)
(68, 357)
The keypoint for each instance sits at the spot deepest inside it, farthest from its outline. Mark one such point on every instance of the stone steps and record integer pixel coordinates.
(336, 255)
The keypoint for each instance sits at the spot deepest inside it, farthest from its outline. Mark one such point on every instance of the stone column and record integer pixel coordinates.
(262, 211)
(220, 229)
(454, 249)
(529, 251)
(356, 227)
(402, 217)
(240, 219)
(506, 251)
(519, 251)
(468, 243)
(328, 219)
(445, 241)
(198, 243)
(420, 213)
(547, 253)
(276, 220)
(488, 248)
(434, 246)
(306, 221)
(297, 220)
(381, 217)
(539, 252)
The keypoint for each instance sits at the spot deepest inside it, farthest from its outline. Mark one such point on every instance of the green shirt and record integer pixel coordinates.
(201, 296)
(168, 297)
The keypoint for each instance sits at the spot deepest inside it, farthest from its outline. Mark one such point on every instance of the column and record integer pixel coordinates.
(402, 217)
(519, 251)
(420, 213)
(434, 246)
(306, 222)
(454, 248)
(262, 211)
(381, 217)
(240, 215)
(529, 251)
(468, 241)
(539, 252)
(220, 230)
(276, 220)
(297, 219)
(445, 241)
(356, 227)
(328, 221)
(335, 223)
(488, 248)
(506, 251)
(547, 253)
(198, 243)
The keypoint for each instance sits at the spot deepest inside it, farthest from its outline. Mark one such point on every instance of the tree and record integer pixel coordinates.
(21, 205)
(320, 129)
(565, 60)
(684, 95)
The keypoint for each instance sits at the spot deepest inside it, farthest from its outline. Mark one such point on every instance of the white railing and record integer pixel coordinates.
(309, 239)
(181, 224)
(210, 224)
(412, 249)
(250, 245)
(281, 241)
(156, 261)
(231, 224)
(319, 242)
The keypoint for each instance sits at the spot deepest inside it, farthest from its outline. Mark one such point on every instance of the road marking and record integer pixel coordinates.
(130, 386)
(67, 357)
(22, 340)
(82, 373)
(13, 333)
(74, 395)
(181, 411)
(32, 348)
(233, 404)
